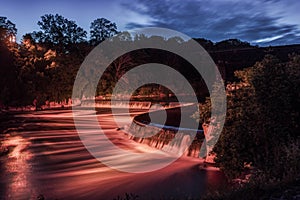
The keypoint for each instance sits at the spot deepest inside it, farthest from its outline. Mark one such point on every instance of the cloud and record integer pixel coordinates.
(287, 39)
(248, 20)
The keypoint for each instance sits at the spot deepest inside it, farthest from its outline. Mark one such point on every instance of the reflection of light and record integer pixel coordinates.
(17, 166)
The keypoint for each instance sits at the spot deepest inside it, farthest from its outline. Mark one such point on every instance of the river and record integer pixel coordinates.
(47, 159)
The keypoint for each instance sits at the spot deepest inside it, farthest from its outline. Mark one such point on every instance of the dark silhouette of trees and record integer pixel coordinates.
(206, 44)
(101, 29)
(57, 31)
(10, 92)
(231, 44)
(45, 64)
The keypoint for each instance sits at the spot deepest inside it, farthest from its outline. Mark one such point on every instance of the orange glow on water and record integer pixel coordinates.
(48, 158)
(18, 165)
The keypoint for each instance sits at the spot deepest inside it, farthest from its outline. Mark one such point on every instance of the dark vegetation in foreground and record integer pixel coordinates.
(261, 131)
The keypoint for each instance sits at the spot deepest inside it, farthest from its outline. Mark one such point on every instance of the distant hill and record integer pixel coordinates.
(231, 59)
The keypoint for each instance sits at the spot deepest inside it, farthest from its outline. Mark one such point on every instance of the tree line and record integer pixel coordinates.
(43, 66)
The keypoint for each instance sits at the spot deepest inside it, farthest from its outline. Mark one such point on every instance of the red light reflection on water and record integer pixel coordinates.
(48, 158)
(18, 168)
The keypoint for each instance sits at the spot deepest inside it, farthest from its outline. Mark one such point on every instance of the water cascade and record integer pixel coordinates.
(168, 138)
(116, 104)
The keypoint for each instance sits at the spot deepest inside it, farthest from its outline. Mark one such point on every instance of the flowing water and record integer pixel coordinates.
(46, 157)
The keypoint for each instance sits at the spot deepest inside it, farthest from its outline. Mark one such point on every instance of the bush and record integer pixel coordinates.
(262, 122)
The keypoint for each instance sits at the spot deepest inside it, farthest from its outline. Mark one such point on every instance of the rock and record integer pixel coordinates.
(40, 197)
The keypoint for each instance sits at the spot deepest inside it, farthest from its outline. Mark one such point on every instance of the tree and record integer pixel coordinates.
(59, 31)
(277, 96)
(10, 84)
(7, 29)
(53, 55)
(262, 121)
(101, 29)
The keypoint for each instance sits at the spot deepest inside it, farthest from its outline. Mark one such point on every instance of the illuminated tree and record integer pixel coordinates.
(8, 30)
(262, 121)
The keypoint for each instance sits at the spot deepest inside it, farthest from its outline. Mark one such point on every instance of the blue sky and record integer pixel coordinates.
(263, 22)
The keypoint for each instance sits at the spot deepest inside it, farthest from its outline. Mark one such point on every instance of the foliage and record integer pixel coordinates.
(7, 29)
(277, 96)
(262, 122)
(101, 29)
(59, 31)
(9, 82)
(53, 55)
(128, 196)
(44, 65)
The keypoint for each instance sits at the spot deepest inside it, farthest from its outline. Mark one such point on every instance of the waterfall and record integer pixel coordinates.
(116, 104)
(168, 139)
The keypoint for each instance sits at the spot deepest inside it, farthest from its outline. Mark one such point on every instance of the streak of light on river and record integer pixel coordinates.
(47, 157)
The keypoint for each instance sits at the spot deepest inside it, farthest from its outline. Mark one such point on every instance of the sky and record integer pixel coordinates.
(262, 22)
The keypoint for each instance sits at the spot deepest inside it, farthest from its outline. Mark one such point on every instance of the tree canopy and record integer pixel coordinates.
(57, 30)
(7, 29)
(101, 29)
(262, 122)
